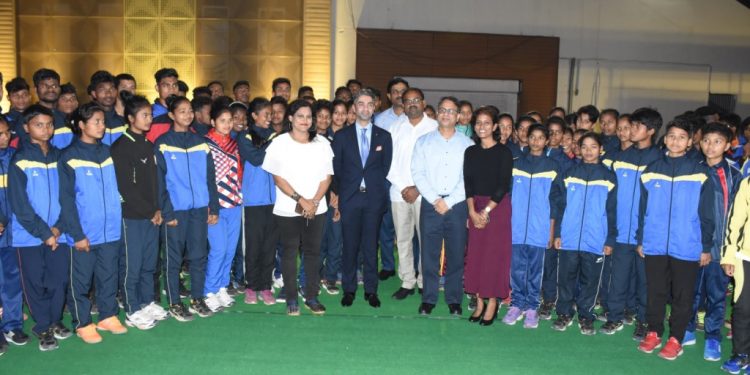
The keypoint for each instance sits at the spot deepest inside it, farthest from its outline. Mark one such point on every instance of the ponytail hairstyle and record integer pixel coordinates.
(133, 103)
(256, 105)
(84, 113)
(173, 101)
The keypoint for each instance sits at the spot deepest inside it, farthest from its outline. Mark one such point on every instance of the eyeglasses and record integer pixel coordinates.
(412, 101)
(446, 111)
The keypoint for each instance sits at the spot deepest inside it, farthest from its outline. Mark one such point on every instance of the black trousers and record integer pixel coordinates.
(741, 316)
(299, 234)
(667, 276)
(261, 236)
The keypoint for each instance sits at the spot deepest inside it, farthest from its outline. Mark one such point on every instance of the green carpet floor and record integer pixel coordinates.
(358, 340)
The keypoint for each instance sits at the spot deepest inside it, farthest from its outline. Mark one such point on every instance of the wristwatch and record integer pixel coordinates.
(487, 210)
(295, 196)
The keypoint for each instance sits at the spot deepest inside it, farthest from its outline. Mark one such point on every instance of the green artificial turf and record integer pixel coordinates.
(394, 339)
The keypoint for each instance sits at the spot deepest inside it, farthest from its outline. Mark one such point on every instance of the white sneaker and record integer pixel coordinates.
(278, 283)
(213, 302)
(224, 297)
(155, 311)
(140, 319)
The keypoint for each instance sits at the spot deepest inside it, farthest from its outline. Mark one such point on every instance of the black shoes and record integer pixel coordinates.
(180, 312)
(426, 308)
(47, 341)
(347, 300)
(455, 309)
(610, 327)
(198, 306)
(402, 293)
(386, 274)
(17, 337)
(488, 322)
(545, 310)
(315, 307)
(640, 331)
(372, 299)
(562, 322)
(60, 331)
(587, 327)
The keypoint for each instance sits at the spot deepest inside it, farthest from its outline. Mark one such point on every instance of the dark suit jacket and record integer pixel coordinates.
(347, 164)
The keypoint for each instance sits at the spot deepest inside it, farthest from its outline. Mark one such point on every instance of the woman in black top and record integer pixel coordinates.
(488, 167)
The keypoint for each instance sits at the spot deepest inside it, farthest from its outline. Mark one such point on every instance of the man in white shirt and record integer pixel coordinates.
(405, 199)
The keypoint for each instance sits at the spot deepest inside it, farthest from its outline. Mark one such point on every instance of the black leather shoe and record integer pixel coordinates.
(490, 321)
(373, 299)
(386, 274)
(455, 309)
(402, 293)
(426, 308)
(347, 300)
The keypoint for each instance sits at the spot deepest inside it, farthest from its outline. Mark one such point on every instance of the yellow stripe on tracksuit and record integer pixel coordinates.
(736, 244)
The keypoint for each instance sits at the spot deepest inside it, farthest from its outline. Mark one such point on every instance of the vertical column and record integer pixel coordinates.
(8, 51)
(316, 46)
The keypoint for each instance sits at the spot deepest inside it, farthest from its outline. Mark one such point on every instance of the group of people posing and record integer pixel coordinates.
(565, 213)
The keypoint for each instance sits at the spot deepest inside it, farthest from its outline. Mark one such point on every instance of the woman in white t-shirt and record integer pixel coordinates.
(301, 163)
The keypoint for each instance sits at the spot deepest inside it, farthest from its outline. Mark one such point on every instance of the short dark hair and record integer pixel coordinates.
(706, 111)
(279, 100)
(682, 122)
(123, 77)
(341, 89)
(320, 105)
(16, 84)
(353, 82)
(589, 134)
(557, 109)
(539, 127)
(505, 115)
(165, 73)
(44, 74)
(395, 81)
(523, 118)
(555, 120)
(279, 81)
(182, 86)
(303, 89)
(647, 116)
(239, 83)
(451, 99)
(99, 77)
(731, 119)
(199, 102)
(590, 110)
(365, 92)
(610, 111)
(215, 83)
(36, 110)
(68, 88)
(201, 91)
(257, 104)
(414, 89)
(718, 128)
(465, 102)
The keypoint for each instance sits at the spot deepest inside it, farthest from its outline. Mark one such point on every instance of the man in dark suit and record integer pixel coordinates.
(362, 157)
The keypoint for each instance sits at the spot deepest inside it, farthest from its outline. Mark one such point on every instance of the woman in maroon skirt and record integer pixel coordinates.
(488, 167)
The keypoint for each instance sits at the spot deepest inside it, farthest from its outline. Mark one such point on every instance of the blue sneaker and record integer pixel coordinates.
(689, 338)
(712, 351)
(737, 363)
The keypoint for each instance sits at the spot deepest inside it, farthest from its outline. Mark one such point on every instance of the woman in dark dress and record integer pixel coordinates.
(488, 167)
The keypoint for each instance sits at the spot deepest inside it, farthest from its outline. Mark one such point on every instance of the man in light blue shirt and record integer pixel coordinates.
(390, 116)
(437, 171)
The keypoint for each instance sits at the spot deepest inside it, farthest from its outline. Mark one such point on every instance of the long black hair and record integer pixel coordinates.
(84, 113)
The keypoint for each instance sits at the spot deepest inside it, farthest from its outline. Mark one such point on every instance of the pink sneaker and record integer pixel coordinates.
(267, 297)
(251, 298)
